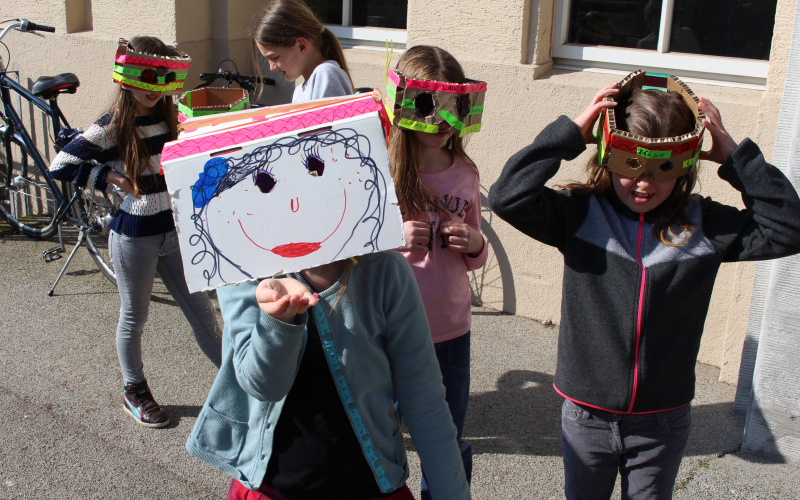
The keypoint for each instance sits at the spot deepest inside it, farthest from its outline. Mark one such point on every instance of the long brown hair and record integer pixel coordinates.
(424, 62)
(282, 22)
(655, 114)
(123, 118)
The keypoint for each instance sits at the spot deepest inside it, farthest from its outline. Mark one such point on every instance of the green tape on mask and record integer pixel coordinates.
(408, 104)
(691, 162)
(127, 71)
(649, 153)
(390, 89)
(452, 120)
(476, 110)
(601, 149)
(470, 129)
(422, 127)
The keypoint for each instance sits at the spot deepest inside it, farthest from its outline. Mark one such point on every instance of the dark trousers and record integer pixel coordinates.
(645, 450)
(453, 356)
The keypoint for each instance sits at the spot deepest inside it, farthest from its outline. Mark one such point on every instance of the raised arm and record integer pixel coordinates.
(769, 226)
(266, 350)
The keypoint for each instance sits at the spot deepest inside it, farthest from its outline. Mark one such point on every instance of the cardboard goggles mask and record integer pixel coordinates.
(632, 155)
(423, 104)
(149, 72)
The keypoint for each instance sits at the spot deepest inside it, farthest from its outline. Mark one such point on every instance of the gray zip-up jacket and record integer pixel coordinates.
(633, 309)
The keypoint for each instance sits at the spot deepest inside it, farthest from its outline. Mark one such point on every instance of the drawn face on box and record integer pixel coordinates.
(286, 201)
(425, 106)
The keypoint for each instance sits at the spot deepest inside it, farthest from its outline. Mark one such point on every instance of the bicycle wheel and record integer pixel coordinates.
(26, 200)
(96, 210)
(492, 286)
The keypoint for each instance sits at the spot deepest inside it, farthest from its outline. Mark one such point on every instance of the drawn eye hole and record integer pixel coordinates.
(462, 105)
(423, 103)
(265, 181)
(315, 165)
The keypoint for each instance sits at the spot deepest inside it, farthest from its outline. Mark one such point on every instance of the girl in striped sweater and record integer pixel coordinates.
(123, 148)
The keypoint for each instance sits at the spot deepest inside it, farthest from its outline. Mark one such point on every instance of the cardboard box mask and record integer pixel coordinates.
(266, 191)
(423, 105)
(149, 72)
(632, 155)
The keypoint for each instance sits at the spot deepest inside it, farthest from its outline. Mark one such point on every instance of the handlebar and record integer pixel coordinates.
(38, 27)
(244, 81)
(26, 27)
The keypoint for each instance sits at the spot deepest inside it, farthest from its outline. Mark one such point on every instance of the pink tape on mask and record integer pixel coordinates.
(453, 88)
(146, 61)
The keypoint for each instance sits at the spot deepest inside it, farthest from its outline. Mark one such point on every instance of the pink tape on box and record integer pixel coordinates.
(317, 113)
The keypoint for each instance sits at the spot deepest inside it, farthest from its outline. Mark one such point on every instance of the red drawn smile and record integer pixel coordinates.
(294, 250)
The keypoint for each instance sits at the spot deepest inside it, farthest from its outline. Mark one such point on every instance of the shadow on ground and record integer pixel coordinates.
(523, 416)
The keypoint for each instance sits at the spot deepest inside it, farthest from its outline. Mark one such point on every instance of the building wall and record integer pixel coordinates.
(507, 43)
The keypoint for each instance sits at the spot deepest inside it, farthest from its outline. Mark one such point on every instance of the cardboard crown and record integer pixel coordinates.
(149, 72)
(632, 155)
(423, 104)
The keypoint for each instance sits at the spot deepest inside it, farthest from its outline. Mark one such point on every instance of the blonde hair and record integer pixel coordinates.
(424, 62)
(131, 147)
(655, 114)
(282, 22)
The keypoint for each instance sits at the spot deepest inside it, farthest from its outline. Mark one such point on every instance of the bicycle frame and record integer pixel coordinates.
(14, 127)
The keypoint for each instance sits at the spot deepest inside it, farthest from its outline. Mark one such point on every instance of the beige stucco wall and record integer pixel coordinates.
(504, 42)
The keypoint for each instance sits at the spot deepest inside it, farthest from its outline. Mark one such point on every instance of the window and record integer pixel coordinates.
(711, 39)
(364, 22)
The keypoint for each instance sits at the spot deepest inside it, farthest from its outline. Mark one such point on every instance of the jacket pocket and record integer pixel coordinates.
(219, 435)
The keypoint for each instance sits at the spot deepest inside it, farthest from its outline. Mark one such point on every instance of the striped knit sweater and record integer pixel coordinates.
(146, 216)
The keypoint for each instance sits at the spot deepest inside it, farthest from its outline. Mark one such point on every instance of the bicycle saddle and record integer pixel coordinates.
(47, 87)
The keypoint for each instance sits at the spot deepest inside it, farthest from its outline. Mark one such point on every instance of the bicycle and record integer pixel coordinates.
(30, 200)
(244, 81)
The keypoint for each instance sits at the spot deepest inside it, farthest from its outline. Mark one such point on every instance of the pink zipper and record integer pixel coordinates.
(639, 313)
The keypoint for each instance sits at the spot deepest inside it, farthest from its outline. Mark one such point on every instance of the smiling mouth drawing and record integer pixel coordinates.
(294, 250)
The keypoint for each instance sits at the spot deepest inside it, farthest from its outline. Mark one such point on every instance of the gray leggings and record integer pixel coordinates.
(136, 262)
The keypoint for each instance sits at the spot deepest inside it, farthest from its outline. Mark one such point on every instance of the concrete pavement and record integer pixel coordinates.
(64, 434)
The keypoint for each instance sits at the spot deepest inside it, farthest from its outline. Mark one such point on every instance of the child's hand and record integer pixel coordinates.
(417, 235)
(462, 237)
(722, 144)
(586, 120)
(284, 298)
(119, 180)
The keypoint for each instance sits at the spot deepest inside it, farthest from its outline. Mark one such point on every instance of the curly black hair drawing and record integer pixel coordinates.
(285, 201)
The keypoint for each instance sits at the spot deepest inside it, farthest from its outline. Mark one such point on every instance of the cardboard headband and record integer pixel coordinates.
(149, 72)
(632, 155)
(423, 104)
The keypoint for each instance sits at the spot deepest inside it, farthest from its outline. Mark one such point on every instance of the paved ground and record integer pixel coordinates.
(64, 434)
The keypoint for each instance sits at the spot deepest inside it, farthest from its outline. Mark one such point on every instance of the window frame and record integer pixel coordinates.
(350, 35)
(751, 73)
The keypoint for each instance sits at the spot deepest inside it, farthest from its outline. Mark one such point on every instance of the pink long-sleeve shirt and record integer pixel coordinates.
(441, 272)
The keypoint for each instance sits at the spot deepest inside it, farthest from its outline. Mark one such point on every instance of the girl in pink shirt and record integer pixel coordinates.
(438, 190)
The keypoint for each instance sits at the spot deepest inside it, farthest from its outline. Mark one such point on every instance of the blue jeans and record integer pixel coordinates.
(645, 450)
(136, 263)
(453, 356)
